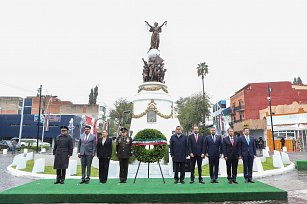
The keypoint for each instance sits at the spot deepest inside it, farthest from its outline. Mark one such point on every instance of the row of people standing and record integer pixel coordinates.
(212, 146)
(87, 147)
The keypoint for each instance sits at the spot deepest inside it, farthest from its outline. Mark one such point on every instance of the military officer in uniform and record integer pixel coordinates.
(123, 150)
(63, 148)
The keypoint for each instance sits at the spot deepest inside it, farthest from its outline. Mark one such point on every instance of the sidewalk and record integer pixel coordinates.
(295, 182)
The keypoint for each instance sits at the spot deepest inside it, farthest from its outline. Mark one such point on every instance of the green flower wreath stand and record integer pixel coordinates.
(145, 138)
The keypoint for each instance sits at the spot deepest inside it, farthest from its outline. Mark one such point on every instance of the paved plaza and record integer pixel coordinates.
(294, 182)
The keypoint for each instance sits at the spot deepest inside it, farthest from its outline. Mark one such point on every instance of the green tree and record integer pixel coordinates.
(191, 111)
(93, 96)
(298, 81)
(120, 114)
(112, 127)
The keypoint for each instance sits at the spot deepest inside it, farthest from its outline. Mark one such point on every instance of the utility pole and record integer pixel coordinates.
(272, 129)
(39, 116)
(21, 121)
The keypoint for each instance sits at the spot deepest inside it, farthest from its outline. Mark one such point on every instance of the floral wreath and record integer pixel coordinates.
(149, 137)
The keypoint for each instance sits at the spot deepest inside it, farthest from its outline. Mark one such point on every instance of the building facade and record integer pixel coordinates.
(289, 122)
(247, 103)
(54, 105)
(221, 117)
(54, 113)
(10, 105)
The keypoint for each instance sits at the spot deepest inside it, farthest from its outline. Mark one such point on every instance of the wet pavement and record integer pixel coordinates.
(295, 182)
(6, 179)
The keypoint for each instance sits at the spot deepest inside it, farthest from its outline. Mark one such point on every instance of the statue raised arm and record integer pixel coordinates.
(165, 23)
(148, 24)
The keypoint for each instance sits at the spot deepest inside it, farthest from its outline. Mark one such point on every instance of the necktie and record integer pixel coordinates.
(213, 137)
(86, 138)
(247, 139)
(231, 140)
(196, 137)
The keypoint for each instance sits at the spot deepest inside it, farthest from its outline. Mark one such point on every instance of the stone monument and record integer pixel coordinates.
(153, 106)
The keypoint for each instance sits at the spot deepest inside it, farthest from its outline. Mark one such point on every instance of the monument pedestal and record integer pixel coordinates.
(153, 108)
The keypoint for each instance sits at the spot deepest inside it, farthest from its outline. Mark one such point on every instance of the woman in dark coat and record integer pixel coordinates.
(104, 153)
(62, 150)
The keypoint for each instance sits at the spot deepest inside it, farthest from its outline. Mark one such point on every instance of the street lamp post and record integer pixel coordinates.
(272, 128)
(39, 116)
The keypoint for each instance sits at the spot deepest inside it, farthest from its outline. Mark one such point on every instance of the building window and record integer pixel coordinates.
(151, 117)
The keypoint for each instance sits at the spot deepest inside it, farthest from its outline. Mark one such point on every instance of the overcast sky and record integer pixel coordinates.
(71, 46)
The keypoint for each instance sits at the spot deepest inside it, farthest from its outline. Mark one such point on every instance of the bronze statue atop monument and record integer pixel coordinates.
(155, 37)
(153, 70)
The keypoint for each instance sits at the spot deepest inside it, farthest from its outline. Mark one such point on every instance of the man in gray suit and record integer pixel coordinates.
(86, 151)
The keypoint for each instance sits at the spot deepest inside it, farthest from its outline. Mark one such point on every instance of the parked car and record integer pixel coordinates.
(32, 143)
(4, 145)
(40, 143)
(27, 142)
(8, 145)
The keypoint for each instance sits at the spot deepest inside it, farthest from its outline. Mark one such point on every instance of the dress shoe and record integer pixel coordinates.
(250, 181)
(201, 181)
(121, 181)
(176, 181)
(62, 182)
(87, 182)
(212, 181)
(56, 182)
(192, 181)
(82, 181)
(230, 181)
(234, 181)
(182, 182)
(216, 181)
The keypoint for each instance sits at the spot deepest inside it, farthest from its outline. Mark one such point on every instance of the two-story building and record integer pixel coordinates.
(247, 102)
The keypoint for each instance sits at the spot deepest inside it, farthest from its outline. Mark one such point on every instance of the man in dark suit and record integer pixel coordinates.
(247, 151)
(123, 150)
(104, 153)
(212, 149)
(179, 152)
(86, 151)
(196, 145)
(231, 155)
(63, 148)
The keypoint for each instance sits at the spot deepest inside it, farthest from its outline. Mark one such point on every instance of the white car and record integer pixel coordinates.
(32, 142)
(40, 143)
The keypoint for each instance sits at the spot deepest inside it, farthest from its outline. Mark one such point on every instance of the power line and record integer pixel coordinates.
(16, 87)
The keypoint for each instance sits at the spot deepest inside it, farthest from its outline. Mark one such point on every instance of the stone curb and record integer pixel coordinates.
(31, 175)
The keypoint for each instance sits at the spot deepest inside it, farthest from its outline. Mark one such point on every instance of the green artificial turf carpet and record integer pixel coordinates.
(301, 165)
(144, 190)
